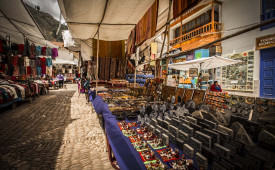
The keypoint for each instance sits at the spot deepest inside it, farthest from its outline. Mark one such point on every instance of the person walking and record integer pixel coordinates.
(60, 78)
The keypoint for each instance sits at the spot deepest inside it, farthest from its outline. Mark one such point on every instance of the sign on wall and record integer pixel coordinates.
(265, 42)
(193, 72)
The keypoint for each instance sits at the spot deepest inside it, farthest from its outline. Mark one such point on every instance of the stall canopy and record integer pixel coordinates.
(121, 16)
(65, 57)
(204, 63)
(17, 22)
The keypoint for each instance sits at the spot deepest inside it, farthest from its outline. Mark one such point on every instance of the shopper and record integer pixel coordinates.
(60, 80)
(216, 87)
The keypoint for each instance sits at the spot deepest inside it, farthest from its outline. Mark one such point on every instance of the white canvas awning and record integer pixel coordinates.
(16, 20)
(121, 16)
(204, 63)
(65, 57)
(60, 61)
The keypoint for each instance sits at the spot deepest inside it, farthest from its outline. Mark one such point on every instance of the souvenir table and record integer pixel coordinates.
(207, 126)
(121, 143)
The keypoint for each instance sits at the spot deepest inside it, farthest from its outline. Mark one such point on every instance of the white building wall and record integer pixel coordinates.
(237, 13)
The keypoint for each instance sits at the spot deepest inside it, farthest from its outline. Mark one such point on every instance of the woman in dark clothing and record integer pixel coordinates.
(216, 87)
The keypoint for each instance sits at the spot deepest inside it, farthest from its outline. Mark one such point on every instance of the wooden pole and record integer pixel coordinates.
(135, 78)
(212, 16)
(167, 23)
(180, 25)
(97, 53)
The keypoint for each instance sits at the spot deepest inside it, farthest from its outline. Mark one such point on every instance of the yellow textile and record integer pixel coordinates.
(154, 48)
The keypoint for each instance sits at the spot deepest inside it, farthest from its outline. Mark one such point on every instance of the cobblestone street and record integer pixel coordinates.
(57, 131)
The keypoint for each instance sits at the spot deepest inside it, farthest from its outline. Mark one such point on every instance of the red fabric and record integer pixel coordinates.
(43, 51)
(15, 60)
(214, 89)
(29, 70)
(21, 48)
(43, 65)
(32, 51)
(1, 47)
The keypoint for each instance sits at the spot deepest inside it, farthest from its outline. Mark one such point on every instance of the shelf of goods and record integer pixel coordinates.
(140, 78)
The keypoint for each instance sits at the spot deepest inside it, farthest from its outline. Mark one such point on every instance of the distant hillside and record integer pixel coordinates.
(47, 24)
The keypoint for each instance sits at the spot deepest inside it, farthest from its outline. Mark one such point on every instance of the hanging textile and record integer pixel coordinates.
(21, 61)
(14, 47)
(131, 42)
(48, 51)
(43, 51)
(15, 60)
(23, 70)
(154, 48)
(34, 72)
(26, 61)
(54, 53)
(113, 49)
(1, 47)
(38, 51)
(33, 49)
(180, 6)
(113, 68)
(43, 65)
(49, 62)
(146, 27)
(38, 62)
(27, 48)
(49, 70)
(9, 58)
(21, 48)
(16, 71)
(38, 69)
(33, 63)
(29, 70)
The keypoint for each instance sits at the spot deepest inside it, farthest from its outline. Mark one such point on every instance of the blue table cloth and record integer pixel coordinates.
(125, 154)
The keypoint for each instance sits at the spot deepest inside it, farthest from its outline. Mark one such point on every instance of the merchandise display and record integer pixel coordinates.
(200, 129)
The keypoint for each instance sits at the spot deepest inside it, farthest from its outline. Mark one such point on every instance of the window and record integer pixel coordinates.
(268, 12)
(196, 23)
(177, 32)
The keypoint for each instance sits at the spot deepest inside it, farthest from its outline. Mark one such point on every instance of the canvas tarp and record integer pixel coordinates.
(82, 17)
(15, 19)
(65, 57)
(204, 63)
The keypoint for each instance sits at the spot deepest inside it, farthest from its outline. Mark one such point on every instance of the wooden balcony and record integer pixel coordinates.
(207, 30)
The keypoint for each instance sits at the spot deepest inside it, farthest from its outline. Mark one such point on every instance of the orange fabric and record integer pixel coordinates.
(146, 27)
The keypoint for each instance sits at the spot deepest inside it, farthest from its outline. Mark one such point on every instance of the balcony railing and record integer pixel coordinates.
(196, 33)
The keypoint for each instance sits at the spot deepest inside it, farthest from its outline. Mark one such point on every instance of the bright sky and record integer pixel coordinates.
(48, 6)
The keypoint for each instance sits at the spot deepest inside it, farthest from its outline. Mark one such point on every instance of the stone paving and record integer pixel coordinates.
(58, 130)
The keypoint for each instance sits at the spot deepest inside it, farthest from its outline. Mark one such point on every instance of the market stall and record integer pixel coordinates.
(196, 124)
(197, 65)
(25, 55)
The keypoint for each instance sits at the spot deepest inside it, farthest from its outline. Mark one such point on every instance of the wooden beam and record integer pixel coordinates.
(88, 23)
